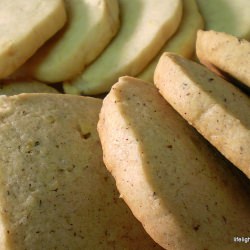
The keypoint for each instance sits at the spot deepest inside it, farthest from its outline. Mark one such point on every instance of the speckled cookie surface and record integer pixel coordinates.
(224, 54)
(176, 185)
(55, 191)
(216, 108)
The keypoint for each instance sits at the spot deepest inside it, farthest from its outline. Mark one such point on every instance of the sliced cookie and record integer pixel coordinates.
(24, 27)
(224, 54)
(174, 182)
(11, 87)
(183, 41)
(215, 107)
(55, 192)
(145, 26)
(90, 27)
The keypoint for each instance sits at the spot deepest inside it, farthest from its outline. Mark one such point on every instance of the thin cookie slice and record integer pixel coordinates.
(55, 190)
(24, 27)
(215, 107)
(90, 27)
(145, 27)
(11, 87)
(183, 41)
(224, 54)
(228, 16)
(173, 181)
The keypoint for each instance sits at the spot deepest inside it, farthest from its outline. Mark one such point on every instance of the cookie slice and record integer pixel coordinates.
(224, 54)
(228, 16)
(184, 194)
(145, 26)
(24, 27)
(17, 87)
(183, 41)
(90, 27)
(216, 108)
(55, 190)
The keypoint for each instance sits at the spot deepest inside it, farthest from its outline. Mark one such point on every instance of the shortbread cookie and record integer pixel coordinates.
(17, 87)
(24, 27)
(175, 184)
(145, 26)
(216, 108)
(228, 16)
(183, 41)
(223, 53)
(90, 27)
(55, 190)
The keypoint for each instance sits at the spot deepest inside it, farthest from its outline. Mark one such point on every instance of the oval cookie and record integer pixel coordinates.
(174, 182)
(215, 107)
(55, 190)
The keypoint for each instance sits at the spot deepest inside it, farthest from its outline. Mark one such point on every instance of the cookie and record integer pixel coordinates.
(55, 190)
(215, 107)
(145, 26)
(90, 27)
(184, 194)
(17, 87)
(224, 54)
(24, 27)
(182, 42)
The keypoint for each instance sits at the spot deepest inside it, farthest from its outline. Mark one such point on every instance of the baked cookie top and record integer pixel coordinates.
(184, 194)
(55, 192)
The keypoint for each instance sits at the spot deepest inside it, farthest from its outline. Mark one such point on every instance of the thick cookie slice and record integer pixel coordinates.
(145, 26)
(175, 184)
(182, 42)
(24, 27)
(90, 27)
(55, 190)
(223, 53)
(216, 108)
(17, 87)
(228, 16)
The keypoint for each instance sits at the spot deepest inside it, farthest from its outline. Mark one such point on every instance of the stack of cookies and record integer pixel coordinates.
(161, 160)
